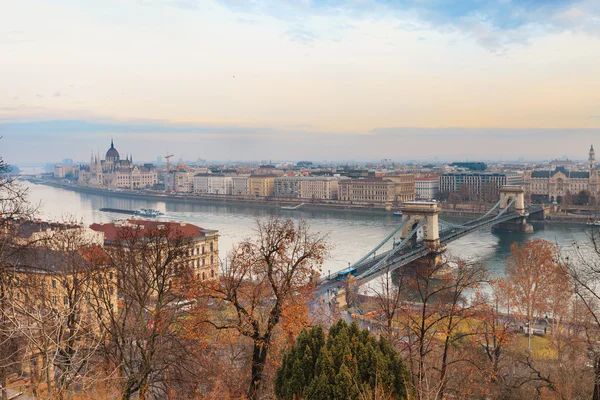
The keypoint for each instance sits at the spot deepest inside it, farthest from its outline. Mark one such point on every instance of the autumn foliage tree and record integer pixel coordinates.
(265, 284)
(534, 278)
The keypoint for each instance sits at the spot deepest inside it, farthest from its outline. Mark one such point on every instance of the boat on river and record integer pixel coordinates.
(148, 212)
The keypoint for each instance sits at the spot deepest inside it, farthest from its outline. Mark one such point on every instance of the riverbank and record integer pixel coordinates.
(272, 203)
(277, 203)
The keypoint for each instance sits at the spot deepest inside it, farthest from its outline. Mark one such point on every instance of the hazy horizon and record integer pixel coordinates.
(300, 80)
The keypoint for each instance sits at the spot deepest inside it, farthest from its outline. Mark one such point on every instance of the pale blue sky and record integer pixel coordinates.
(299, 79)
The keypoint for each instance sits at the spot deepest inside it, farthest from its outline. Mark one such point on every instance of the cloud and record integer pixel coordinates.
(493, 24)
(301, 35)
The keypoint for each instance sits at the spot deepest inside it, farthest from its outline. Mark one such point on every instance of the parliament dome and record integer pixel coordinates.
(112, 153)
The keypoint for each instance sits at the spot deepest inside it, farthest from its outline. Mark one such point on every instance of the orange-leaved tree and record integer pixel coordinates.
(266, 282)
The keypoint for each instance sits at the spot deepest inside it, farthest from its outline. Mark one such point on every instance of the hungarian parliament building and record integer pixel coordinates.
(114, 172)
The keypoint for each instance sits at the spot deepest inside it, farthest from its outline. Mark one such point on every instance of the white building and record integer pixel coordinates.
(213, 184)
(427, 188)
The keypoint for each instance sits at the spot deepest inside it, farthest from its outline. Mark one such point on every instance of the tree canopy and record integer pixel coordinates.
(347, 364)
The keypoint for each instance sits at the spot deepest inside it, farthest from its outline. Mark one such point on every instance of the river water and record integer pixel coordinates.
(351, 234)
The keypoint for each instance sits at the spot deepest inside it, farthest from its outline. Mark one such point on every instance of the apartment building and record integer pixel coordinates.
(240, 184)
(213, 184)
(287, 186)
(261, 185)
(427, 188)
(367, 190)
(478, 184)
(203, 255)
(319, 188)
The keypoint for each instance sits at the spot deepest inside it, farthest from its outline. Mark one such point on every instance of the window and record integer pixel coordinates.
(202, 249)
(211, 246)
(212, 260)
(203, 276)
(54, 300)
(212, 273)
(65, 301)
(54, 283)
(203, 262)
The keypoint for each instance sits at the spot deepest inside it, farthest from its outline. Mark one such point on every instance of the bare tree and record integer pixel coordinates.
(14, 207)
(584, 270)
(437, 306)
(266, 282)
(145, 341)
(389, 296)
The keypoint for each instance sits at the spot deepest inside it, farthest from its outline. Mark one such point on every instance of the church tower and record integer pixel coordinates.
(592, 159)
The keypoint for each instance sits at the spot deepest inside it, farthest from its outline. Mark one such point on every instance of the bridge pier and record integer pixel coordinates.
(516, 225)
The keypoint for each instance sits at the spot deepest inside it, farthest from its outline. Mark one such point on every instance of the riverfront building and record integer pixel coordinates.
(261, 185)
(427, 188)
(554, 184)
(114, 172)
(367, 191)
(218, 184)
(477, 185)
(319, 188)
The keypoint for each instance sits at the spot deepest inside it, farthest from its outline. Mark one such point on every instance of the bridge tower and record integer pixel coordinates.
(515, 194)
(413, 212)
(510, 192)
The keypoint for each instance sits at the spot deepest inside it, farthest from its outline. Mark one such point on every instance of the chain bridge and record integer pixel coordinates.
(421, 233)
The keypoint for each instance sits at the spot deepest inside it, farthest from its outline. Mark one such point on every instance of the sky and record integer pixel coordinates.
(299, 79)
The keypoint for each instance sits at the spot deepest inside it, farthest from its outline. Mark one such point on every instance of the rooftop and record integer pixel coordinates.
(114, 229)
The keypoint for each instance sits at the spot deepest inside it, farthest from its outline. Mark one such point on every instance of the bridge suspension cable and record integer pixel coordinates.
(380, 245)
(396, 249)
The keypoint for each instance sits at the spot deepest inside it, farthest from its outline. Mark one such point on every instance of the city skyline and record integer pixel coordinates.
(315, 80)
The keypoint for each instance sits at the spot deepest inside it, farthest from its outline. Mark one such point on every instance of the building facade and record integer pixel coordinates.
(203, 254)
(287, 186)
(319, 188)
(115, 172)
(554, 185)
(218, 184)
(367, 191)
(240, 185)
(404, 187)
(261, 185)
(427, 188)
(477, 185)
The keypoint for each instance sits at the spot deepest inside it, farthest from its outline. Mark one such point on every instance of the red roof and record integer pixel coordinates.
(111, 230)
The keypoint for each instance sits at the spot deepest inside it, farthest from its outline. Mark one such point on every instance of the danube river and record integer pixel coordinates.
(351, 234)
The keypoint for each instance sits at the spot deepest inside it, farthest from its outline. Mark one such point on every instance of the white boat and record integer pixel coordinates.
(594, 223)
(291, 207)
(148, 212)
(397, 214)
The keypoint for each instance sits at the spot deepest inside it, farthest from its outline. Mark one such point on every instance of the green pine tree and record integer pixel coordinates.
(348, 364)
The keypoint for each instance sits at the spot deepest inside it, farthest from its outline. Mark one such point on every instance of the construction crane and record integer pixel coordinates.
(168, 156)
